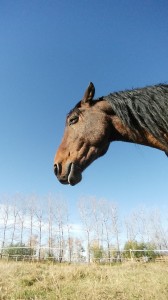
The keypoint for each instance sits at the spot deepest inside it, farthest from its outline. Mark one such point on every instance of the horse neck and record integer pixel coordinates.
(120, 132)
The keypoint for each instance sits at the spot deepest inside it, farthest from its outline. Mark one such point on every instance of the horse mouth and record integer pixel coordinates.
(73, 174)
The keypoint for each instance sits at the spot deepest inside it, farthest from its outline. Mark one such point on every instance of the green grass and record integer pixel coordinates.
(20, 280)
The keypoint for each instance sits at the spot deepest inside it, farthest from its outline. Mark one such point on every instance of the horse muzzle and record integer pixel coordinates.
(72, 174)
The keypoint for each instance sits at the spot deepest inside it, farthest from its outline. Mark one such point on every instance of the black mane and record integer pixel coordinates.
(143, 109)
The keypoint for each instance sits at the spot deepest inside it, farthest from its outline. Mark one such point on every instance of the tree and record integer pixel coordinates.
(96, 251)
(39, 216)
(21, 216)
(5, 217)
(159, 234)
(70, 240)
(31, 214)
(60, 216)
(87, 221)
(96, 214)
(79, 249)
(139, 249)
(115, 225)
(50, 227)
(15, 214)
(132, 229)
(106, 225)
(18, 249)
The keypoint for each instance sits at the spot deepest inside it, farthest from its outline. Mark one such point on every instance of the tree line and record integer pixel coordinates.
(43, 227)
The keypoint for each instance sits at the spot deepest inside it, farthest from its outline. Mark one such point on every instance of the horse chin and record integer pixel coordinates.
(75, 174)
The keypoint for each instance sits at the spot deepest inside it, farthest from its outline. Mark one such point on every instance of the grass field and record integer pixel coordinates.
(21, 280)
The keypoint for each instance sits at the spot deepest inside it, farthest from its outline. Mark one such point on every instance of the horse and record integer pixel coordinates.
(137, 116)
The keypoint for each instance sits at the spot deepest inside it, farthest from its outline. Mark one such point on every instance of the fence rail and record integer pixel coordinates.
(56, 254)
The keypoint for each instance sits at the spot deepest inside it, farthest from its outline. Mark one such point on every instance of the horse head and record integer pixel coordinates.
(86, 137)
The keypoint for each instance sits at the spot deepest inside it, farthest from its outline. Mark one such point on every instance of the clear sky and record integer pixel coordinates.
(49, 52)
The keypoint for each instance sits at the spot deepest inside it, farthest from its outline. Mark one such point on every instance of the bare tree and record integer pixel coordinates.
(85, 211)
(159, 234)
(21, 216)
(14, 215)
(61, 218)
(106, 226)
(96, 215)
(50, 225)
(5, 218)
(143, 219)
(79, 249)
(132, 226)
(70, 240)
(147, 225)
(115, 225)
(39, 216)
(31, 205)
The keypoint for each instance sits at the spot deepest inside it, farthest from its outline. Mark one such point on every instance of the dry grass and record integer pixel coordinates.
(19, 280)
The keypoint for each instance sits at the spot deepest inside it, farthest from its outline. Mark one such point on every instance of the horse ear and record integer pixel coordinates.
(89, 93)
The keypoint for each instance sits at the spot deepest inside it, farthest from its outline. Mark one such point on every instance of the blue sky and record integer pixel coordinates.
(49, 52)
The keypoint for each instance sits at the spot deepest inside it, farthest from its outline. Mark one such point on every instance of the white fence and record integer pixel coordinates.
(58, 255)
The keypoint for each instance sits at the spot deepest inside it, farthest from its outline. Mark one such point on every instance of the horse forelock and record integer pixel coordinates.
(143, 109)
(75, 109)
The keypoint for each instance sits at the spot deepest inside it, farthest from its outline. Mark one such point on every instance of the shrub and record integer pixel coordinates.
(18, 249)
(140, 249)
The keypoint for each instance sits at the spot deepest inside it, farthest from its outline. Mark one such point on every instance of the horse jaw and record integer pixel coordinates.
(75, 175)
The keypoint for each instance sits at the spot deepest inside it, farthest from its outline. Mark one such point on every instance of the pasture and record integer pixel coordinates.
(127, 281)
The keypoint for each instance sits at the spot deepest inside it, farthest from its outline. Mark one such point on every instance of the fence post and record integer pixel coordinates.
(131, 254)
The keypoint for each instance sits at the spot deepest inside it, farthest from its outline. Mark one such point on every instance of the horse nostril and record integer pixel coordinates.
(55, 169)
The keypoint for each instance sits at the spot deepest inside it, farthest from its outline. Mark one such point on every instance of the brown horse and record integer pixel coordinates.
(137, 116)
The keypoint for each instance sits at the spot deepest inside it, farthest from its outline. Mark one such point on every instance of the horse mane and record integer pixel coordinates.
(143, 109)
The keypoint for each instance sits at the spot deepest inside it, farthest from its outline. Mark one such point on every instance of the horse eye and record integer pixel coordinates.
(73, 120)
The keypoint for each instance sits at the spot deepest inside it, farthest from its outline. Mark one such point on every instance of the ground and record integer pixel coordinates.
(127, 281)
